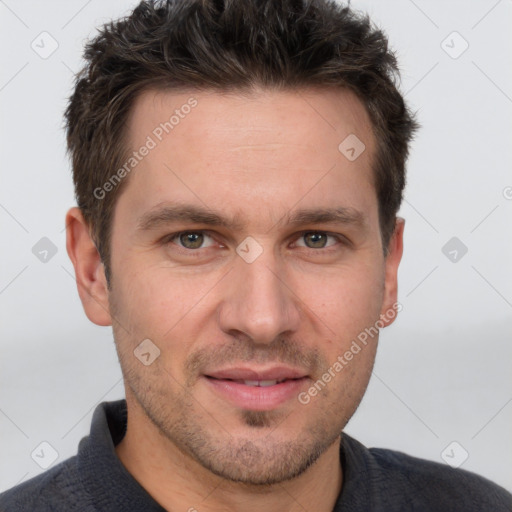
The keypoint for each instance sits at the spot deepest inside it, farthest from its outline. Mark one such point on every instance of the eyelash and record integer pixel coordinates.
(193, 252)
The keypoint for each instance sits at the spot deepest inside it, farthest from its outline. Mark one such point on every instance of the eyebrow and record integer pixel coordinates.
(167, 214)
(341, 215)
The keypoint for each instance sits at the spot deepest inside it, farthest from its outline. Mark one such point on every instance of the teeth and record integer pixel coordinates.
(260, 383)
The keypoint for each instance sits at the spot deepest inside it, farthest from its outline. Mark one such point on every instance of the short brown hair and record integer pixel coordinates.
(230, 45)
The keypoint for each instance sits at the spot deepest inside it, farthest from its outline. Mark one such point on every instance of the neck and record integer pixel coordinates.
(178, 482)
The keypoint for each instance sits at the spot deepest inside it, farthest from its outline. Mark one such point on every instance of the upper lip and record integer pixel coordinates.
(273, 373)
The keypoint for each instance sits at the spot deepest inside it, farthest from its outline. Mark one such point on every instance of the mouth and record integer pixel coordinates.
(259, 383)
(255, 389)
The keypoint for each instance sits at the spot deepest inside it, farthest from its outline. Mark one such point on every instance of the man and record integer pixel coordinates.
(238, 171)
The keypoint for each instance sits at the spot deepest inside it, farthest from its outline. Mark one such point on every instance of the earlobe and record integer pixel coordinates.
(89, 270)
(395, 250)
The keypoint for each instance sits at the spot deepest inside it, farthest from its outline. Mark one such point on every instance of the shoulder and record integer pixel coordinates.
(419, 484)
(439, 485)
(58, 490)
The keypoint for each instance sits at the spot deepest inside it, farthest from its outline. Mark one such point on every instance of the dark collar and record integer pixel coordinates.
(109, 483)
(103, 475)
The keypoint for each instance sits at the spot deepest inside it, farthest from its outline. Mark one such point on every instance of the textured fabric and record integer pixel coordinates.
(374, 479)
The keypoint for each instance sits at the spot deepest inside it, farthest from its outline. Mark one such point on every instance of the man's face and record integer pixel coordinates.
(231, 315)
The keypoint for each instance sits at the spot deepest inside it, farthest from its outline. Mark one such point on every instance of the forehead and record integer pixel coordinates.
(265, 149)
(264, 115)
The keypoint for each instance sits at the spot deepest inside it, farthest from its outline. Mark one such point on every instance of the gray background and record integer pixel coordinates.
(443, 369)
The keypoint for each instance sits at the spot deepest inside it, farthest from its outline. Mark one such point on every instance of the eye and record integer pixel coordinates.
(192, 240)
(317, 240)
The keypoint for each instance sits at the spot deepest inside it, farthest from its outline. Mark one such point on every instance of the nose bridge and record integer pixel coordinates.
(259, 303)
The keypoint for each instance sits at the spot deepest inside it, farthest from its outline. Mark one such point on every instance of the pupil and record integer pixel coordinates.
(192, 240)
(317, 239)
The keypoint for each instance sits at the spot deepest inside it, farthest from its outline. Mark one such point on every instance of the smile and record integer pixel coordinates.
(257, 394)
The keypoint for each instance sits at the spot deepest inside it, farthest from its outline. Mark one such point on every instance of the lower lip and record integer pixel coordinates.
(257, 398)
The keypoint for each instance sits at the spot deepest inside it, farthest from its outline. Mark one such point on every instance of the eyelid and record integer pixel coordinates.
(172, 236)
(297, 236)
(339, 237)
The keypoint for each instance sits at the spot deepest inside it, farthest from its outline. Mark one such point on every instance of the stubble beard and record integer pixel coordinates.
(262, 458)
(259, 460)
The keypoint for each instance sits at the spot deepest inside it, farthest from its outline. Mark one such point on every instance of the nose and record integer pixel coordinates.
(258, 301)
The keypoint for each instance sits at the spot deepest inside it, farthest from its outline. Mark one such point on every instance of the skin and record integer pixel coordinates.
(255, 158)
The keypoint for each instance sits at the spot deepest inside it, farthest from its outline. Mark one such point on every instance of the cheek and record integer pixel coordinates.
(346, 301)
(157, 303)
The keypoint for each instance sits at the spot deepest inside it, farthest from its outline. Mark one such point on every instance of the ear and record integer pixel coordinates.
(395, 250)
(89, 270)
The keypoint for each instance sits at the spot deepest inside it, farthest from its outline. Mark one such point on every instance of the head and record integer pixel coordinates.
(221, 217)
